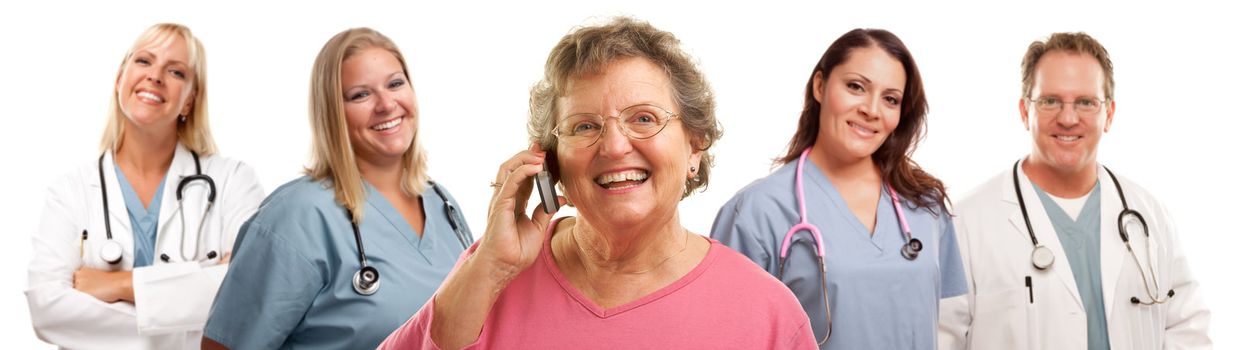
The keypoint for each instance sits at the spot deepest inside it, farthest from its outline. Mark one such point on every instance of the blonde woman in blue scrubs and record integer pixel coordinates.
(848, 192)
(339, 258)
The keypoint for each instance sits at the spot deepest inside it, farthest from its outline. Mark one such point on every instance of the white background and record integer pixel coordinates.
(472, 64)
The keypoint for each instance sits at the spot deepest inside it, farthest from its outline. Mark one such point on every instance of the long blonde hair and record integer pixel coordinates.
(195, 131)
(333, 156)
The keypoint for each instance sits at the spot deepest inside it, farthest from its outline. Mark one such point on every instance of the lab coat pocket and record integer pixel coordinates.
(1143, 324)
(1140, 326)
(1002, 320)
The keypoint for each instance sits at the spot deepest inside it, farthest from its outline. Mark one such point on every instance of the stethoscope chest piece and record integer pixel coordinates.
(366, 280)
(912, 249)
(1042, 257)
(111, 252)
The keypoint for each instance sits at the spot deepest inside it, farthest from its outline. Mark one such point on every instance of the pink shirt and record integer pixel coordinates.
(726, 302)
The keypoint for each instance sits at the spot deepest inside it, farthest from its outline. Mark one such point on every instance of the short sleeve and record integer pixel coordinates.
(737, 229)
(950, 265)
(264, 296)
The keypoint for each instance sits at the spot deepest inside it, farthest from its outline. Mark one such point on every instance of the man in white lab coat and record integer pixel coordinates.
(1049, 263)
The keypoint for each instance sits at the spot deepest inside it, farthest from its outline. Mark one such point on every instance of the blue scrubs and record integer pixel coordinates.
(1081, 240)
(878, 299)
(144, 220)
(290, 282)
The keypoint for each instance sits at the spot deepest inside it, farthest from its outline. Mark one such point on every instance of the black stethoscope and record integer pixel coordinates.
(910, 249)
(366, 280)
(1043, 258)
(112, 251)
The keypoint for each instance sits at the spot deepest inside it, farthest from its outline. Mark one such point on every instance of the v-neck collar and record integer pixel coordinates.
(393, 218)
(131, 195)
(549, 262)
(1056, 211)
(827, 188)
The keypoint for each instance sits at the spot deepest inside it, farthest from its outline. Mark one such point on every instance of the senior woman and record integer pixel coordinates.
(625, 273)
(317, 273)
(133, 244)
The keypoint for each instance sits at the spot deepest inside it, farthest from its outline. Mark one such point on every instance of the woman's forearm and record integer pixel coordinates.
(464, 302)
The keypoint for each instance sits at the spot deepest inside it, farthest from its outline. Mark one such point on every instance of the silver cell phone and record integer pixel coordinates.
(546, 190)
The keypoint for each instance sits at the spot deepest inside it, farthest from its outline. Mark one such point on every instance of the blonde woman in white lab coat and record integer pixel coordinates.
(150, 284)
(1047, 264)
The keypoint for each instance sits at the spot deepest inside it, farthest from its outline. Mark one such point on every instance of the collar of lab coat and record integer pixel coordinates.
(1112, 248)
(182, 166)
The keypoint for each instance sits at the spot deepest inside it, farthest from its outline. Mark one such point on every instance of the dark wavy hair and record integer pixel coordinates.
(893, 157)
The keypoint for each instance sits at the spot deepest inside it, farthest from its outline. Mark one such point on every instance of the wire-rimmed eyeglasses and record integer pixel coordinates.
(1054, 104)
(641, 121)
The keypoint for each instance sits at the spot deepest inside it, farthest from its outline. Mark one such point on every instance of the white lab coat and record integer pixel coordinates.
(996, 250)
(171, 298)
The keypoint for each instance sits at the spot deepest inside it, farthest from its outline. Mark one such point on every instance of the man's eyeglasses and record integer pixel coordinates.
(1052, 104)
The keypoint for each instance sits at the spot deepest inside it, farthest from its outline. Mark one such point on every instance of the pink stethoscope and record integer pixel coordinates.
(910, 250)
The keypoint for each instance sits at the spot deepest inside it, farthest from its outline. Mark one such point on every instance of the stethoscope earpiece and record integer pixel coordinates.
(366, 280)
(1154, 300)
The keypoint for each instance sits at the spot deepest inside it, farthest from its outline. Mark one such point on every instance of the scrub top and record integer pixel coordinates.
(878, 299)
(1081, 240)
(290, 282)
(142, 219)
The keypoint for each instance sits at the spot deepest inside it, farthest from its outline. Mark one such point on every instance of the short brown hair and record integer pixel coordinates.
(588, 50)
(1079, 43)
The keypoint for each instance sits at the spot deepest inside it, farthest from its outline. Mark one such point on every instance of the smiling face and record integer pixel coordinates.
(1066, 141)
(861, 101)
(379, 105)
(156, 84)
(621, 181)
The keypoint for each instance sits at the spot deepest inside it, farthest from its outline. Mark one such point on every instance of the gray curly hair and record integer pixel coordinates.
(588, 50)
